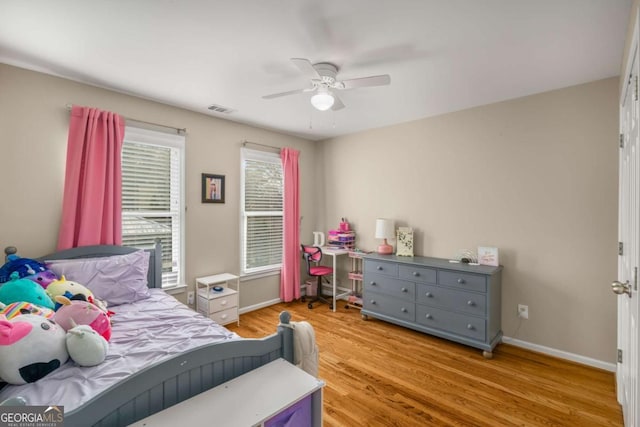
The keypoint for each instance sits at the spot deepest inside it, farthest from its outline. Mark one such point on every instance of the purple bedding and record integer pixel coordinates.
(143, 333)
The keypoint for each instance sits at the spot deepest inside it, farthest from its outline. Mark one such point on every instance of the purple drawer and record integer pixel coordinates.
(296, 415)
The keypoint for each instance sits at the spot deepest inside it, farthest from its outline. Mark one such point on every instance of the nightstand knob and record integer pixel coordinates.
(415, 273)
(404, 289)
(470, 326)
(223, 302)
(404, 310)
(429, 295)
(471, 303)
(428, 316)
(461, 281)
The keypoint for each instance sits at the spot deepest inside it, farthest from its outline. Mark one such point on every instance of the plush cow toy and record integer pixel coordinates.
(31, 347)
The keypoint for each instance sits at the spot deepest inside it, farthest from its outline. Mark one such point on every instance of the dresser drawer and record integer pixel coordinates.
(390, 286)
(381, 267)
(466, 302)
(225, 316)
(217, 304)
(417, 274)
(383, 304)
(454, 323)
(469, 281)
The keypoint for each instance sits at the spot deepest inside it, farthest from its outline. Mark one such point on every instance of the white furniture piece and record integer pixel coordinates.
(335, 253)
(267, 396)
(220, 306)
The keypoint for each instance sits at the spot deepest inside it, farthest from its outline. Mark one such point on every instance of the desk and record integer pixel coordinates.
(334, 253)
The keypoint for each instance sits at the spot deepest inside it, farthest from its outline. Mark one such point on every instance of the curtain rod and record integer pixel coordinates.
(178, 130)
(244, 144)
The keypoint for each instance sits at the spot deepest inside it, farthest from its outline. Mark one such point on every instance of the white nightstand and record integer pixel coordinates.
(220, 306)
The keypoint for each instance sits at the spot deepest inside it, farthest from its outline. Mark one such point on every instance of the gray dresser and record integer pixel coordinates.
(458, 302)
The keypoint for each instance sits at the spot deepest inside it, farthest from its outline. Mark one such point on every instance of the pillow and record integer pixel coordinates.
(116, 279)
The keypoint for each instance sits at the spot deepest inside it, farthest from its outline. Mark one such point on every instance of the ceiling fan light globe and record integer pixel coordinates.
(322, 101)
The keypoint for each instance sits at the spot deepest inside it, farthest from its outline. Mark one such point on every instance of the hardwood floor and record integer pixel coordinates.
(379, 374)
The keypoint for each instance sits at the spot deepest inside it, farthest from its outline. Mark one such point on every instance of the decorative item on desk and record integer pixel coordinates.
(318, 239)
(465, 256)
(488, 256)
(344, 225)
(384, 230)
(405, 241)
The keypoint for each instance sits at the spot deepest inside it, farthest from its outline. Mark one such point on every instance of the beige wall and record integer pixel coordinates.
(535, 177)
(34, 123)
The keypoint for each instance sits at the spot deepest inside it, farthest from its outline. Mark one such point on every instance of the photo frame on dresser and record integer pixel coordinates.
(212, 188)
(488, 256)
(404, 236)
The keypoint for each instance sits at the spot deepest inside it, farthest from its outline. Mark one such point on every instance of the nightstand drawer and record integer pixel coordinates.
(387, 285)
(394, 307)
(223, 302)
(468, 281)
(381, 267)
(225, 316)
(466, 302)
(454, 323)
(418, 274)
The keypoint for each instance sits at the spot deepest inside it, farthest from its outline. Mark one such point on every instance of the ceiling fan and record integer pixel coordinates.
(325, 85)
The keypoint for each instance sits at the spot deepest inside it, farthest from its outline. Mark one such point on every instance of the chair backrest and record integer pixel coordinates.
(311, 254)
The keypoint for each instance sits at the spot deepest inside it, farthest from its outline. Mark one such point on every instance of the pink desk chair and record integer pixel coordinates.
(313, 255)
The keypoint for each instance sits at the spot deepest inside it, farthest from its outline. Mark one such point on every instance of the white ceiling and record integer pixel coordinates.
(442, 55)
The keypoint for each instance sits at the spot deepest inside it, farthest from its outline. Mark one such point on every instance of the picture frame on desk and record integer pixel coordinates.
(488, 256)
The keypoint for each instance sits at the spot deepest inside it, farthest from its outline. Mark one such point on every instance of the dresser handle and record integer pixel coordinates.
(415, 273)
(428, 316)
(404, 310)
(373, 301)
(379, 268)
(404, 289)
(372, 283)
(470, 327)
(471, 303)
(461, 281)
(428, 295)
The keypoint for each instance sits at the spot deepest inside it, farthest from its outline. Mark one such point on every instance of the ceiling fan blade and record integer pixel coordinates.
(291, 92)
(306, 67)
(337, 102)
(365, 82)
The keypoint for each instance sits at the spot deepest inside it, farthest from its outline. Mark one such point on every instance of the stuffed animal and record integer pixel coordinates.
(78, 312)
(24, 290)
(17, 308)
(43, 278)
(30, 348)
(61, 286)
(85, 346)
(23, 266)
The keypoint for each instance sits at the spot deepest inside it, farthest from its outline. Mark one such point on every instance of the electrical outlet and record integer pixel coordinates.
(190, 297)
(523, 311)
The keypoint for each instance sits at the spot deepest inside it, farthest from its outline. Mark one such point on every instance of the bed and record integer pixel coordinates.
(169, 371)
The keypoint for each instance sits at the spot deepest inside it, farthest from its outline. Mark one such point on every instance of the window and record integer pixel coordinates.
(261, 210)
(153, 197)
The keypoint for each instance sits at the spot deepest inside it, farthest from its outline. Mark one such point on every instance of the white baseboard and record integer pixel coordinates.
(264, 304)
(561, 354)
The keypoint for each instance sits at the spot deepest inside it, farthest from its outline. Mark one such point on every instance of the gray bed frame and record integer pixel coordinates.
(177, 379)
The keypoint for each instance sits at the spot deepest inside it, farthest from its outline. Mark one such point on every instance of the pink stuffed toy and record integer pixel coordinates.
(78, 312)
(30, 347)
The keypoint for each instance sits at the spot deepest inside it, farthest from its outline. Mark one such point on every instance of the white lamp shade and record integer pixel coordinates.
(384, 228)
(322, 100)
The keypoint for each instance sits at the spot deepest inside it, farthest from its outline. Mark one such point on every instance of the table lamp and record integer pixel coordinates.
(384, 230)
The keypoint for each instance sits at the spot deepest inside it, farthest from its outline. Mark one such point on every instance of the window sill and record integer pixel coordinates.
(259, 275)
(173, 290)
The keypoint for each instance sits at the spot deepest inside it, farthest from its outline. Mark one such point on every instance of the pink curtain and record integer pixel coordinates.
(290, 277)
(92, 203)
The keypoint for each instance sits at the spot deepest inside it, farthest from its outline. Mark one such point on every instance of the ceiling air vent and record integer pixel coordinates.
(220, 109)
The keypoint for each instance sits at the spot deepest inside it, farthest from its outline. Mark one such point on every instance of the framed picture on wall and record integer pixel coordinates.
(212, 188)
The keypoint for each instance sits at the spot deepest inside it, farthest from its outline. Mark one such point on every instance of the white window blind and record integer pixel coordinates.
(153, 196)
(261, 199)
